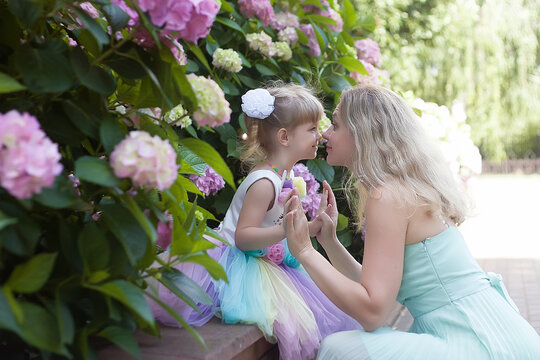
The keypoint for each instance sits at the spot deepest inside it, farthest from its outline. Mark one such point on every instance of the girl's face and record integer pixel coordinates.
(340, 145)
(305, 139)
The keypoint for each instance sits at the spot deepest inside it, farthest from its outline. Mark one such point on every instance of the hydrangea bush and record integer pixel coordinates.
(119, 124)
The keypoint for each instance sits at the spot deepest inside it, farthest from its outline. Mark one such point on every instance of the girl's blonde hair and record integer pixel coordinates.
(393, 151)
(294, 105)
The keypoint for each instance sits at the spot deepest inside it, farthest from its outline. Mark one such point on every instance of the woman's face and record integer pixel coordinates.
(340, 143)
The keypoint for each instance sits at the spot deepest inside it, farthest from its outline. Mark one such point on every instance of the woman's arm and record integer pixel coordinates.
(371, 300)
(249, 233)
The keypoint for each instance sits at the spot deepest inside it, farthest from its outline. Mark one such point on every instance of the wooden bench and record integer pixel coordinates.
(239, 342)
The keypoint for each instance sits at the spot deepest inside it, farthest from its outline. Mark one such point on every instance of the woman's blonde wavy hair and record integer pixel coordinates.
(294, 105)
(393, 151)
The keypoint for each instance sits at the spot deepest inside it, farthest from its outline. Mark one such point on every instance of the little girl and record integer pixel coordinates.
(267, 286)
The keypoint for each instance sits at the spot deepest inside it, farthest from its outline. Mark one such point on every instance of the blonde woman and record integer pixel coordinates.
(413, 250)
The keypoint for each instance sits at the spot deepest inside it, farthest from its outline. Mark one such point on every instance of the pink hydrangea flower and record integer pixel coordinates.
(212, 182)
(275, 253)
(177, 50)
(146, 160)
(190, 19)
(213, 109)
(371, 78)
(368, 51)
(29, 160)
(89, 9)
(260, 8)
(288, 35)
(334, 15)
(313, 45)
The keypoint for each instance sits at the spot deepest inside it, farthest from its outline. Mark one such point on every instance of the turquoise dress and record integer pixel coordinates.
(459, 312)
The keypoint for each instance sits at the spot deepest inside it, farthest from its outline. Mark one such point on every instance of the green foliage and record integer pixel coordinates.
(471, 52)
(78, 260)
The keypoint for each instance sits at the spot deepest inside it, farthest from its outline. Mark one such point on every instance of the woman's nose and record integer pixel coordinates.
(326, 134)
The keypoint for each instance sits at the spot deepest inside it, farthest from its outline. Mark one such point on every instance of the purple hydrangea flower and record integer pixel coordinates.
(311, 201)
(212, 182)
(368, 51)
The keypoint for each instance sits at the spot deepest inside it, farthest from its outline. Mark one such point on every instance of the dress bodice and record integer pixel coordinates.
(272, 217)
(440, 270)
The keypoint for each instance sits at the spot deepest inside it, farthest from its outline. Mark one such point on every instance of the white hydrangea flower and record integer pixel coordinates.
(283, 50)
(227, 59)
(178, 117)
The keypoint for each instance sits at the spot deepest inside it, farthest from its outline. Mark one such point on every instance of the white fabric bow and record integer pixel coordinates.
(258, 103)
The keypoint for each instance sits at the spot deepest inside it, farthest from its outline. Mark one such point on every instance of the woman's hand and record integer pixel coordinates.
(327, 216)
(297, 229)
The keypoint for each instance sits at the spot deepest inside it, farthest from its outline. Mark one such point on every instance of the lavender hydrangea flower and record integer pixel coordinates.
(212, 182)
(147, 160)
(29, 160)
(311, 201)
(371, 78)
(368, 51)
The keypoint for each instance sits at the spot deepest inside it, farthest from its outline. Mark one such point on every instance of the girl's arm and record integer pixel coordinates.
(371, 300)
(249, 233)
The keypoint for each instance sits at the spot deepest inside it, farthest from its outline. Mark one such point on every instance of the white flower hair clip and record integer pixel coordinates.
(258, 103)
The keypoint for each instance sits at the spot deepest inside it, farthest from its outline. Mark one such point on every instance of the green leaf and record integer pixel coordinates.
(367, 22)
(87, 40)
(191, 161)
(30, 276)
(302, 38)
(93, 77)
(343, 222)
(44, 70)
(188, 185)
(61, 195)
(27, 11)
(225, 6)
(118, 19)
(321, 170)
(82, 119)
(93, 26)
(187, 286)
(123, 338)
(349, 16)
(6, 221)
(199, 54)
(111, 133)
(321, 19)
(213, 267)
(126, 229)
(338, 82)
(96, 171)
(229, 88)
(265, 70)
(143, 220)
(231, 24)
(206, 152)
(353, 64)
(9, 84)
(7, 318)
(345, 238)
(125, 67)
(94, 248)
(40, 329)
(248, 81)
(129, 295)
(66, 324)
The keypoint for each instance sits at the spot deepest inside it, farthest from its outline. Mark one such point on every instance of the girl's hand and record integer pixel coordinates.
(327, 216)
(328, 203)
(297, 230)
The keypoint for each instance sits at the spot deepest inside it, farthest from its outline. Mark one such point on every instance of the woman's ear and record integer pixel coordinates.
(283, 137)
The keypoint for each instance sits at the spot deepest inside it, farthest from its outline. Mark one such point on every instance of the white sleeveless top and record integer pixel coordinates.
(272, 217)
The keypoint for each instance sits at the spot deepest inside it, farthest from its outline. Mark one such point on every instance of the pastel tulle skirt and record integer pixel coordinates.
(282, 301)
